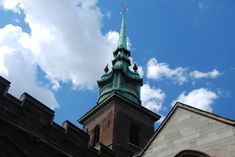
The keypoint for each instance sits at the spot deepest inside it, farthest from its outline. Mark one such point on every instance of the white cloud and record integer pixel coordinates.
(157, 71)
(160, 70)
(11, 5)
(199, 75)
(65, 42)
(223, 93)
(141, 71)
(113, 37)
(17, 65)
(152, 98)
(200, 98)
(67, 45)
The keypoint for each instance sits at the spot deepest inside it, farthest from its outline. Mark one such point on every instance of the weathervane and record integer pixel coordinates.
(123, 9)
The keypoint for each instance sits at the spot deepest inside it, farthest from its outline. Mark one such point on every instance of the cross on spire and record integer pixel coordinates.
(123, 9)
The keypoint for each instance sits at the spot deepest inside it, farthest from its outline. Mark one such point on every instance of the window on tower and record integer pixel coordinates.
(134, 135)
(96, 135)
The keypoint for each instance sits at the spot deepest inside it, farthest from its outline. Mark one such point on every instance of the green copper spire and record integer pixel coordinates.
(120, 79)
(122, 36)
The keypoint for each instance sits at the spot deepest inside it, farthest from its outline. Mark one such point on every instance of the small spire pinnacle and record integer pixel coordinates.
(135, 67)
(122, 35)
(106, 69)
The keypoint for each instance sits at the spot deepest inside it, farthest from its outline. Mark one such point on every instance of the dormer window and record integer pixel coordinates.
(96, 135)
(134, 135)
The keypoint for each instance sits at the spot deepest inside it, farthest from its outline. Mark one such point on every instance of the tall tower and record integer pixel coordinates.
(118, 120)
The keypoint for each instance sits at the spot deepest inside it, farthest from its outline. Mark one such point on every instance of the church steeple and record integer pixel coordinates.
(124, 125)
(122, 36)
(121, 80)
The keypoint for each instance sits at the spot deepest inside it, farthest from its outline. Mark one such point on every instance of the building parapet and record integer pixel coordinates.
(37, 121)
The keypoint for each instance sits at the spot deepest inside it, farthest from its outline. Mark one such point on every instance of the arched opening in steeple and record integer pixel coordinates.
(134, 135)
(96, 135)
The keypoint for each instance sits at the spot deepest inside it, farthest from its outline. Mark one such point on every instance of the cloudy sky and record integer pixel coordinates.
(56, 50)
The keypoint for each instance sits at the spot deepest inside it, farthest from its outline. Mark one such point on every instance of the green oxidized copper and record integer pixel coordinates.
(122, 36)
(121, 79)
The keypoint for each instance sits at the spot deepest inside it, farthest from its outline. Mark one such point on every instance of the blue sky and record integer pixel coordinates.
(57, 51)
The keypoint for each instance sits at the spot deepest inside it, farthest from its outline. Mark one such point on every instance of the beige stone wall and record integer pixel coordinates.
(189, 130)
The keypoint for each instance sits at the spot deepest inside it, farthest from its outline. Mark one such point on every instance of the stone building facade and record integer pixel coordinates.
(188, 131)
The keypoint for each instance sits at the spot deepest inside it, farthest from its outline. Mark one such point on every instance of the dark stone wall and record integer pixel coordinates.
(27, 129)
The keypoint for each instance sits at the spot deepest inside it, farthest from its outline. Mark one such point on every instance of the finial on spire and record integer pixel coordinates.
(106, 69)
(122, 35)
(135, 67)
(123, 9)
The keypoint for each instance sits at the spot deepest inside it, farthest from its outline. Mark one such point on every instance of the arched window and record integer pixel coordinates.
(191, 153)
(134, 135)
(96, 135)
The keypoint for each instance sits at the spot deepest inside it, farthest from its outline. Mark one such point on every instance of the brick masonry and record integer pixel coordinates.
(115, 118)
(104, 118)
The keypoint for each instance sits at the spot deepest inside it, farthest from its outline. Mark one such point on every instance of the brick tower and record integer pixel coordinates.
(118, 120)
